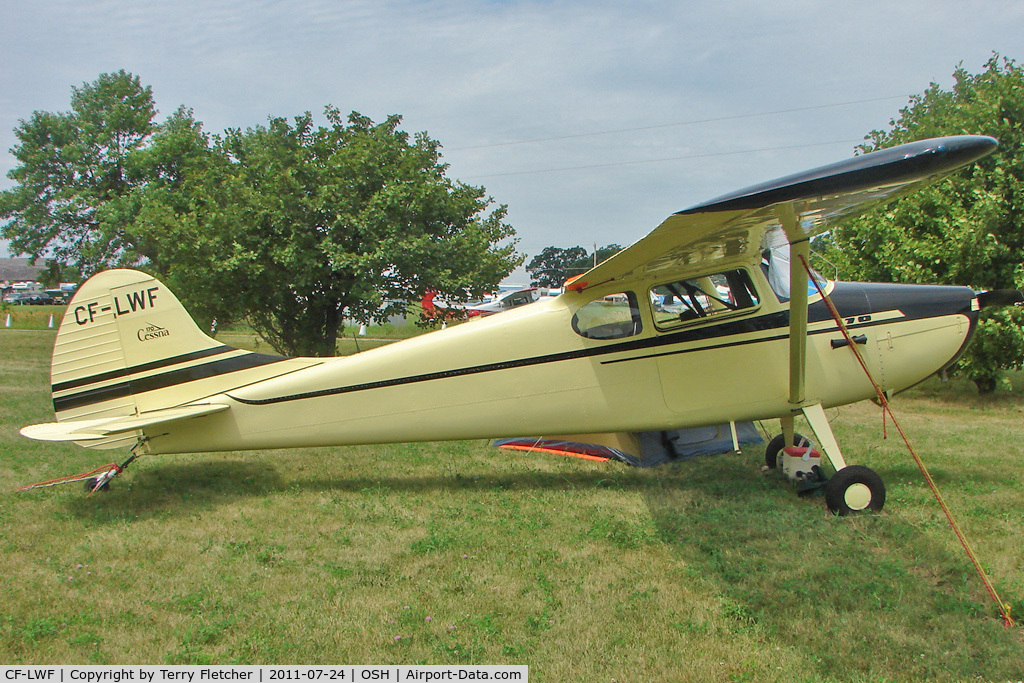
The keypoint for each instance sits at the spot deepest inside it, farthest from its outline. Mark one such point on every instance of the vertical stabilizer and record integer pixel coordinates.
(127, 346)
(119, 325)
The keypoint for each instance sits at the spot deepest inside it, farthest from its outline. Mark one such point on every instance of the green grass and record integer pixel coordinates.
(30, 317)
(704, 570)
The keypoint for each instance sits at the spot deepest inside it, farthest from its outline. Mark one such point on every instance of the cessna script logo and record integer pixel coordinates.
(152, 332)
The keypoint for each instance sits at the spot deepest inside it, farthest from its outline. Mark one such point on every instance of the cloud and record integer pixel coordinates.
(477, 73)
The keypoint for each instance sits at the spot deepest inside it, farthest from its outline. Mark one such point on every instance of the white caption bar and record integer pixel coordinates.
(262, 674)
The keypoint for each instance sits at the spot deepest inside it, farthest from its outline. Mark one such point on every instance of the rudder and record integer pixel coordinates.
(127, 346)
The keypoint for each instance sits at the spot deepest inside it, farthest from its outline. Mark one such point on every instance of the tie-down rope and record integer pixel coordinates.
(1004, 608)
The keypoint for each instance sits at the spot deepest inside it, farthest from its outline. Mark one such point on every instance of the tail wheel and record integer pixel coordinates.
(90, 485)
(854, 489)
(775, 446)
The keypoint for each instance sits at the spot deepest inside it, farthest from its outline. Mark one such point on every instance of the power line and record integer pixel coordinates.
(656, 161)
(681, 123)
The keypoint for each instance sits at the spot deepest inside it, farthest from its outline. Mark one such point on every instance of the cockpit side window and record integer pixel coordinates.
(615, 316)
(706, 297)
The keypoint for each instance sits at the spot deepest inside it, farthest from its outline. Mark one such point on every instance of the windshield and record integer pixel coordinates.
(777, 262)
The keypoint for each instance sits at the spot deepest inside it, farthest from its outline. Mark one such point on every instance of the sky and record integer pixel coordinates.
(592, 120)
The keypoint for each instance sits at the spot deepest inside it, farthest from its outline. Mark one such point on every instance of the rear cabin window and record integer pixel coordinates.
(703, 298)
(615, 316)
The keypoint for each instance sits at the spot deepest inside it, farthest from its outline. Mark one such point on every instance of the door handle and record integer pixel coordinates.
(840, 343)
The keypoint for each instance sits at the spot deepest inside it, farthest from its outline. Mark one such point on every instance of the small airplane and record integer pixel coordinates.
(711, 318)
(501, 301)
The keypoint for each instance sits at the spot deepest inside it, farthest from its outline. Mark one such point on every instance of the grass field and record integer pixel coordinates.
(448, 553)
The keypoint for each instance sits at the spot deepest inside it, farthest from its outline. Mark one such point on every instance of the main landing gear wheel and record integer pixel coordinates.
(854, 489)
(775, 446)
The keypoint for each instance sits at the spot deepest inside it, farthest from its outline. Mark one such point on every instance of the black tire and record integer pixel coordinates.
(90, 485)
(855, 489)
(775, 446)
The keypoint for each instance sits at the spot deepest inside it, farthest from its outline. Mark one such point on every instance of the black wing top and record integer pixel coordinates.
(744, 222)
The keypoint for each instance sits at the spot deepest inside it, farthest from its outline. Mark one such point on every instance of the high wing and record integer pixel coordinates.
(790, 209)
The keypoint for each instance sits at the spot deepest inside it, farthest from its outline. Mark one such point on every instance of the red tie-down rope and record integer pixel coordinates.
(101, 473)
(1004, 608)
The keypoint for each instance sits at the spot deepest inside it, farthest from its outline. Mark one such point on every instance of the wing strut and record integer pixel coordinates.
(797, 326)
(799, 249)
(813, 411)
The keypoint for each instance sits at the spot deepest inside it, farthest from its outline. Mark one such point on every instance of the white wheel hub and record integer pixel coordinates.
(857, 496)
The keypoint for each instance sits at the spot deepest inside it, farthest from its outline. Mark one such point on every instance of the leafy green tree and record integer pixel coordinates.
(185, 218)
(307, 226)
(967, 229)
(296, 227)
(71, 164)
(605, 253)
(554, 265)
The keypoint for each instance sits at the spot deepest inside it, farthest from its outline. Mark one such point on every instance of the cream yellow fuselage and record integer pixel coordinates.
(528, 372)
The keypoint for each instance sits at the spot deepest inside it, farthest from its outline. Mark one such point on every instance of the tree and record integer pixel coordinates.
(71, 165)
(296, 227)
(307, 226)
(185, 216)
(967, 229)
(554, 265)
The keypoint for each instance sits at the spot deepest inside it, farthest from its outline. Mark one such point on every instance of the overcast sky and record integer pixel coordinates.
(593, 120)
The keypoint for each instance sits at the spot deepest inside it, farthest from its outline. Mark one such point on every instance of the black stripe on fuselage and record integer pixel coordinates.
(854, 301)
(756, 324)
(163, 380)
(145, 367)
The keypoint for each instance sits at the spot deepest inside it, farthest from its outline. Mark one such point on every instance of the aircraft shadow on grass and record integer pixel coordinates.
(180, 487)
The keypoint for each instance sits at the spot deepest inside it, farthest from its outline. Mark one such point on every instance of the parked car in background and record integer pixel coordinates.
(28, 298)
(58, 296)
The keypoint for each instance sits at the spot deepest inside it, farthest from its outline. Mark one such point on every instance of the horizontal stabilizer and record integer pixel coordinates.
(102, 428)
